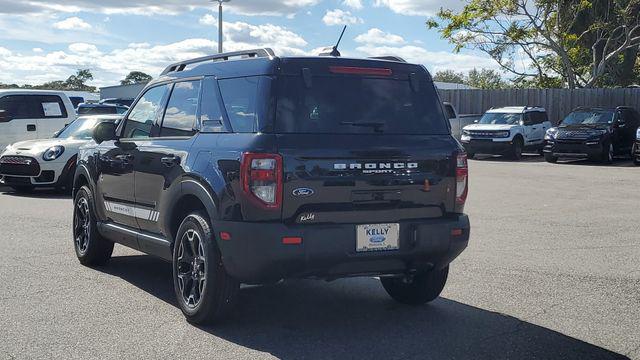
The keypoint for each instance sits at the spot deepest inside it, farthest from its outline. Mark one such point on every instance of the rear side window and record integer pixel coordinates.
(31, 107)
(358, 105)
(143, 116)
(182, 108)
(538, 117)
(210, 110)
(239, 96)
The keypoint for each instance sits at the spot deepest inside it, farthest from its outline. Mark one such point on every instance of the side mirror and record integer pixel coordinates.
(105, 131)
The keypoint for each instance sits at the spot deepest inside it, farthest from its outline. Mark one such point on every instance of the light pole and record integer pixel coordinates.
(220, 23)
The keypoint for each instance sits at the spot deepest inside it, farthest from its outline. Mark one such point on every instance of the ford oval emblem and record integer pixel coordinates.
(377, 239)
(303, 192)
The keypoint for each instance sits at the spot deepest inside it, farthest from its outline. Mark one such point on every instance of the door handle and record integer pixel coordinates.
(31, 127)
(170, 161)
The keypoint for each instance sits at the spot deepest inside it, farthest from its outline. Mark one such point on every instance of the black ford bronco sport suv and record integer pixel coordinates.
(251, 168)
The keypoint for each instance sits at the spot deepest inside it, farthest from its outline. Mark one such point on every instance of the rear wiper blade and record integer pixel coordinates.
(375, 125)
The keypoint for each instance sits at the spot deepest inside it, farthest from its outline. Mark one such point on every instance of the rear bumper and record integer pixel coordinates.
(255, 254)
(573, 150)
(487, 146)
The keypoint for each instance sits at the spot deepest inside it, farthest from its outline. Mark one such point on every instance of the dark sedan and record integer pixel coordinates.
(593, 133)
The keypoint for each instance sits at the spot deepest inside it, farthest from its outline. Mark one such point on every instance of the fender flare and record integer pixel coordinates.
(82, 170)
(201, 190)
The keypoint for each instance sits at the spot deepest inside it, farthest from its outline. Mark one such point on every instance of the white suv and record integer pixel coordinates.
(507, 131)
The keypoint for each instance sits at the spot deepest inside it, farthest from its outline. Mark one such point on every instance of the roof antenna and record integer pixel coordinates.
(333, 50)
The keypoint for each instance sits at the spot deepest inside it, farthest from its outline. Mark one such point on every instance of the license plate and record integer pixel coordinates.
(377, 237)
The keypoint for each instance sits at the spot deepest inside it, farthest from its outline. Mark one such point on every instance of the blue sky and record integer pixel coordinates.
(48, 40)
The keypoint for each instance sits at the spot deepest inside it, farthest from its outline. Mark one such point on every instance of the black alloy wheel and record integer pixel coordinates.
(192, 269)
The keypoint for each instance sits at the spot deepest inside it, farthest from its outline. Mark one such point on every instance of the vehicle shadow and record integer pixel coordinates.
(354, 318)
(36, 194)
(534, 158)
(529, 158)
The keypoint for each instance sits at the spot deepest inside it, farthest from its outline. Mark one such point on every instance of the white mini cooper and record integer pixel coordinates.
(51, 162)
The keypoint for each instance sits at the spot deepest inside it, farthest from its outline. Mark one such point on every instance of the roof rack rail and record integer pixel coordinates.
(389, 58)
(254, 53)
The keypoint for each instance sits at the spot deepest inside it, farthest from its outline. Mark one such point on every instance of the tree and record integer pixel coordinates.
(136, 77)
(75, 82)
(449, 76)
(579, 42)
(485, 79)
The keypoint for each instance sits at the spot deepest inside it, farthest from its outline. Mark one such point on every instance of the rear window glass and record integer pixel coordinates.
(357, 105)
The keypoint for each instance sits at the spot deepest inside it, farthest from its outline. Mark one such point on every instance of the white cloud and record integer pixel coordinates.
(37, 50)
(434, 60)
(72, 23)
(377, 36)
(208, 19)
(340, 17)
(84, 48)
(419, 7)
(110, 66)
(354, 4)
(153, 7)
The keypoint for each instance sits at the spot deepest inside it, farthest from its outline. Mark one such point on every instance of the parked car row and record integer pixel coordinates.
(593, 133)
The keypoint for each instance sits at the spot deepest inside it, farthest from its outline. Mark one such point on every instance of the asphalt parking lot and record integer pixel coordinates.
(552, 271)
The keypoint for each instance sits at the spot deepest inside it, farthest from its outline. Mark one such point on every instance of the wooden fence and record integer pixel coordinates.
(557, 102)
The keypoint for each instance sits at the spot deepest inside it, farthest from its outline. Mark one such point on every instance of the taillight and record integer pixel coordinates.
(462, 179)
(262, 178)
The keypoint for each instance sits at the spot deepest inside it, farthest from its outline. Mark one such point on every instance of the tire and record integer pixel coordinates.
(636, 158)
(23, 189)
(516, 149)
(607, 154)
(421, 289)
(91, 248)
(204, 290)
(548, 157)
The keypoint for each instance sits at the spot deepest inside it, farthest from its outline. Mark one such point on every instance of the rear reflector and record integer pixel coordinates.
(225, 236)
(456, 232)
(292, 240)
(360, 71)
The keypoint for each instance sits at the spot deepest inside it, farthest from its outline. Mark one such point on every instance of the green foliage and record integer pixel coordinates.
(572, 43)
(136, 77)
(481, 79)
(449, 76)
(485, 79)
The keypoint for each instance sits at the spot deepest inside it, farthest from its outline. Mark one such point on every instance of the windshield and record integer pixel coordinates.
(501, 119)
(358, 105)
(80, 129)
(588, 117)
